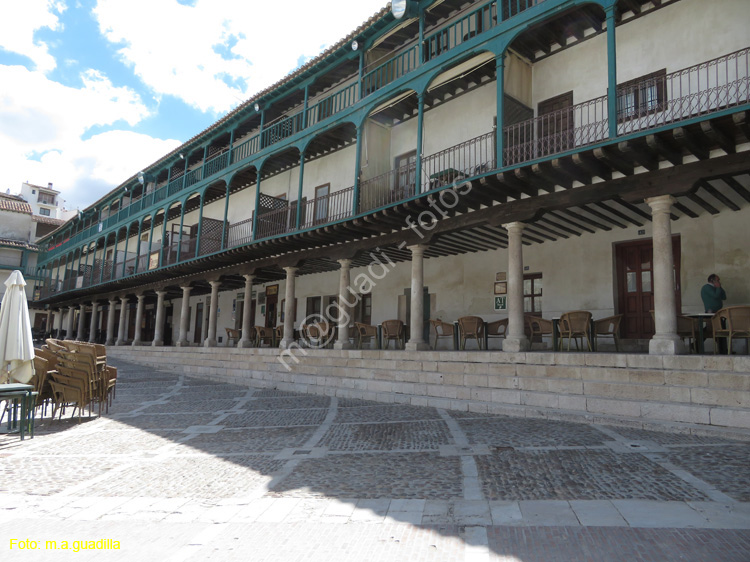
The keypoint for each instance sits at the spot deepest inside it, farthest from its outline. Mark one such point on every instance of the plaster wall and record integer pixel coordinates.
(675, 37)
(15, 226)
(336, 168)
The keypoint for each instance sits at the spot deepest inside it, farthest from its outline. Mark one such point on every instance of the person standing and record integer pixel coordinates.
(713, 296)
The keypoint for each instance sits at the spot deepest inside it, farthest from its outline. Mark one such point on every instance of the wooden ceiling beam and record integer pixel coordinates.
(592, 165)
(687, 139)
(618, 213)
(639, 152)
(611, 158)
(718, 136)
(737, 187)
(665, 149)
(716, 194)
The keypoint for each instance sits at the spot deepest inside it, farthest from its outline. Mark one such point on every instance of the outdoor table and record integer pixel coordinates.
(25, 393)
(380, 336)
(702, 317)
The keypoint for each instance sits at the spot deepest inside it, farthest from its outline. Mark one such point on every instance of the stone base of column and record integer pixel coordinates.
(244, 343)
(136, 343)
(343, 345)
(515, 345)
(285, 344)
(120, 342)
(417, 346)
(209, 343)
(666, 345)
(183, 343)
(109, 342)
(157, 343)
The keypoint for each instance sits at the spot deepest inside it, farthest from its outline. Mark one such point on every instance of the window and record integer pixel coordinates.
(44, 212)
(532, 293)
(641, 96)
(406, 164)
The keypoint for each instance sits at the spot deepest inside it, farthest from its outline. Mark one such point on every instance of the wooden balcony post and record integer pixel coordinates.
(357, 164)
(298, 218)
(420, 134)
(611, 71)
(499, 129)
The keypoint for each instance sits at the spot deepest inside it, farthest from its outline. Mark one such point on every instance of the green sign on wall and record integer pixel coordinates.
(501, 303)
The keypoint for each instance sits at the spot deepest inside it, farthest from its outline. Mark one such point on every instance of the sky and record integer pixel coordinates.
(93, 91)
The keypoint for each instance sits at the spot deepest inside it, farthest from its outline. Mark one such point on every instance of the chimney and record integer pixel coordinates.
(49, 185)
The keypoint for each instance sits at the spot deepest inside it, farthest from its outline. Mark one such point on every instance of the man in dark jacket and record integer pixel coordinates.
(713, 296)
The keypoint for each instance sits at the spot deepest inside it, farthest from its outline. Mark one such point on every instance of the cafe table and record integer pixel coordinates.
(12, 393)
(702, 317)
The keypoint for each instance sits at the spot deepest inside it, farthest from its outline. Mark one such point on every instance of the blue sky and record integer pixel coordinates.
(92, 91)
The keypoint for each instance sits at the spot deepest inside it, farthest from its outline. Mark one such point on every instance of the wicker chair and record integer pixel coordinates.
(729, 323)
(365, 332)
(393, 330)
(263, 334)
(470, 327)
(576, 325)
(443, 330)
(609, 327)
(536, 327)
(232, 335)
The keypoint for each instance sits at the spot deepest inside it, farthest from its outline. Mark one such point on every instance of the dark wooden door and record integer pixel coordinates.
(555, 129)
(635, 291)
(198, 332)
(271, 306)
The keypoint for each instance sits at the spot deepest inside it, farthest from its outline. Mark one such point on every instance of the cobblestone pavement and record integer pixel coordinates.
(186, 469)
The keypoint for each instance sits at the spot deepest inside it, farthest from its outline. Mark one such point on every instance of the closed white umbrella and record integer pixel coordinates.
(16, 342)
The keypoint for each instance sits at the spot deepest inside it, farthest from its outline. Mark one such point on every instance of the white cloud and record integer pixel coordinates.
(174, 49)
(18, 25)
(44, 120)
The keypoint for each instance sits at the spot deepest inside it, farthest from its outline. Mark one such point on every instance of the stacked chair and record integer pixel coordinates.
(77, 375)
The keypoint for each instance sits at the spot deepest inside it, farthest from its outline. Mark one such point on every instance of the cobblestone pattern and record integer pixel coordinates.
(368, 475)
(206, 405)
(160, 421)
(206, 476)
(420, 436)
(290, 403)
(275, 418)
(528, 432)
(385, 413)
(46, 476)
(574, 474)
(125, 442)
(726, 468)
(271, 439)
(662, 438)
(603, 544)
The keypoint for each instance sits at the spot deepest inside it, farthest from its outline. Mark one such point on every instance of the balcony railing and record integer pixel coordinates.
(282, 129)
(332, 104)
(240, 233)
(390, 70)
(328, 208)
(388, 188)
(698, 90)
(278, 221)
(467, 159)
(474, 23)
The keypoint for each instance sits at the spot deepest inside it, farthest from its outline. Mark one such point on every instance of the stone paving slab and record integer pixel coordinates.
(286, 476)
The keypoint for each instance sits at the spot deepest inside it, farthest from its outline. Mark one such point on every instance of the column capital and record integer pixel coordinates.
(249, 277)
(516, 226)
(123, 300)
(140, 297)
(186, 289)
(661, 203)
(72, 307)
(291, 270)
(161, 293)
(215, 284)
(345, 263)
(417, 249)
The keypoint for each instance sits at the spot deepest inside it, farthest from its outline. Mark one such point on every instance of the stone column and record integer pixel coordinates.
(94, 318)
(247, 322)
(516, 339)
(344, 312)
(213, 312)
(416, 336)
(81, 320)
(69, 323)
(111, 322)
(159, 328)
(665, 340)
(291, 275)
(139, 319)
(122, 335)
(48, 322)
(184, 313)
